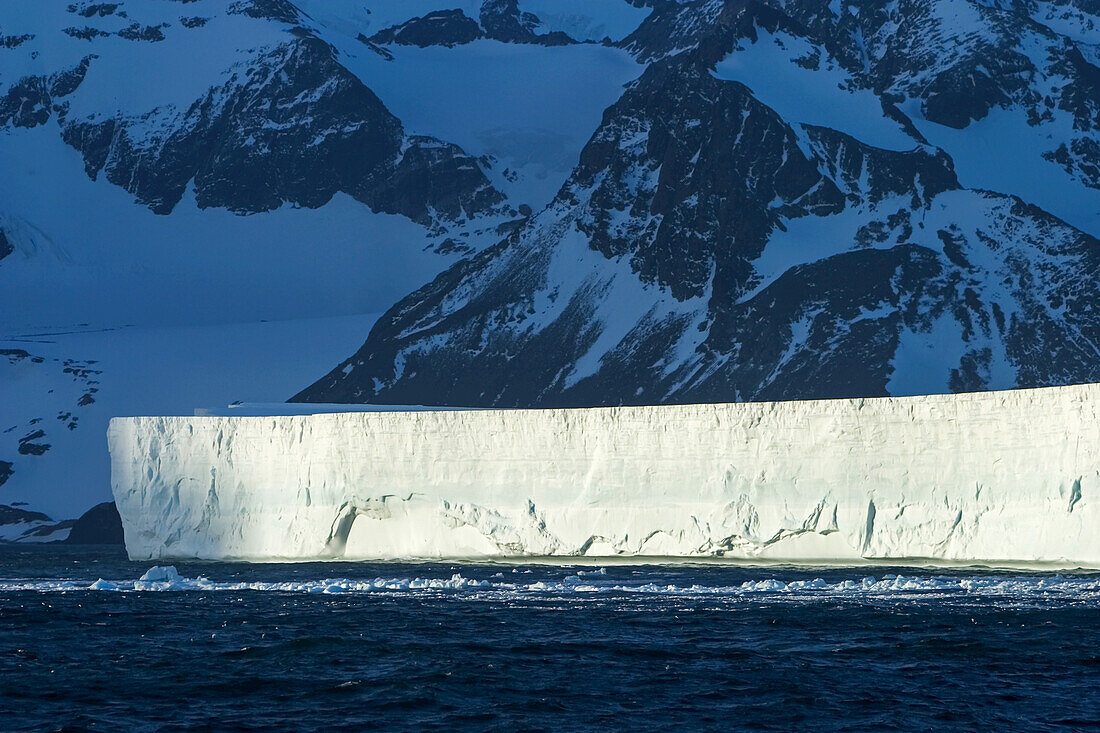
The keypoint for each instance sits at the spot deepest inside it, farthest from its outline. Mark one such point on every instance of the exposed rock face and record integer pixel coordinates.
(91, 10)
(281, 11)
(504, 21)
(715, 174)
(31, 100)
(254, 144)
(30, 445)
(15, 515)
(18, 524)
(964, 60)
(15, 41)
(500, 20)
(442, 28)
(708, 248)
(100, 525)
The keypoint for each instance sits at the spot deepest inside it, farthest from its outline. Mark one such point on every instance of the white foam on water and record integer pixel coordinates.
(597, 583)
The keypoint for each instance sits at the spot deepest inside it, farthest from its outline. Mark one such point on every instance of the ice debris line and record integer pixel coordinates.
(1011, 476)
(1075, 589)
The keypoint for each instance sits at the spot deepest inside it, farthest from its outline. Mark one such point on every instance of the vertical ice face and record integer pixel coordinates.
(986, 477)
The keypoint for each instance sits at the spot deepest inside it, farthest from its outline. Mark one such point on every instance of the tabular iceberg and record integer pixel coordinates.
(998, 477)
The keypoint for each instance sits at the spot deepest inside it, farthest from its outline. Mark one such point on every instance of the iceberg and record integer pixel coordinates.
(1009, 477)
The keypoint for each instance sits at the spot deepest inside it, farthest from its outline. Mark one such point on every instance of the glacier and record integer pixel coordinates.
(1005, 477)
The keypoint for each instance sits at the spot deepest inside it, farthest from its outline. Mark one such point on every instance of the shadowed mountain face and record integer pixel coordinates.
(794, 200)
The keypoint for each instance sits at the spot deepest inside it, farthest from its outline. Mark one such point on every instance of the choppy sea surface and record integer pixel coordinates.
(89, 640)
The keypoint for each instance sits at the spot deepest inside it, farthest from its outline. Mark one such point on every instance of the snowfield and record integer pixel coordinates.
(529, 107)
(134, 371)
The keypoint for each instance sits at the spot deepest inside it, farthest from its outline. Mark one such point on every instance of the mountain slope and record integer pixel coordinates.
(192, 183)
(788, 204)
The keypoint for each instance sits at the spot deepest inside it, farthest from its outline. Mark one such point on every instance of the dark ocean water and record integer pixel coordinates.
(528, 647)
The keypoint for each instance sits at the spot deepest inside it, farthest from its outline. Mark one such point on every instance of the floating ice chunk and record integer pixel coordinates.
(158, 573)
(1081, 589)
(767, 586)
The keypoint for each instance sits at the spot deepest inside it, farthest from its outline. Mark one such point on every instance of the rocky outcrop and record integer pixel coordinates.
(100, 525)
(33, 99)
(18, 524)
(442, 28)
(500, 20)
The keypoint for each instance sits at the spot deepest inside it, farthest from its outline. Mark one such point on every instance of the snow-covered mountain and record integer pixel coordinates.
(795, 199)
(590, 202)
(206, 201)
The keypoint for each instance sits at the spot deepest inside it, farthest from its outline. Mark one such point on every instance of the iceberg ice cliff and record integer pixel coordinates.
(1010, 476)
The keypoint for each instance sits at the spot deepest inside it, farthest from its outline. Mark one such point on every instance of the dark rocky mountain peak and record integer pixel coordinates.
(504, 21)
(499, 20)
(441, 28)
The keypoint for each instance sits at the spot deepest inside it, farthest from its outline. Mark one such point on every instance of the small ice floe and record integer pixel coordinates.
(102, 584)
(161, 574)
